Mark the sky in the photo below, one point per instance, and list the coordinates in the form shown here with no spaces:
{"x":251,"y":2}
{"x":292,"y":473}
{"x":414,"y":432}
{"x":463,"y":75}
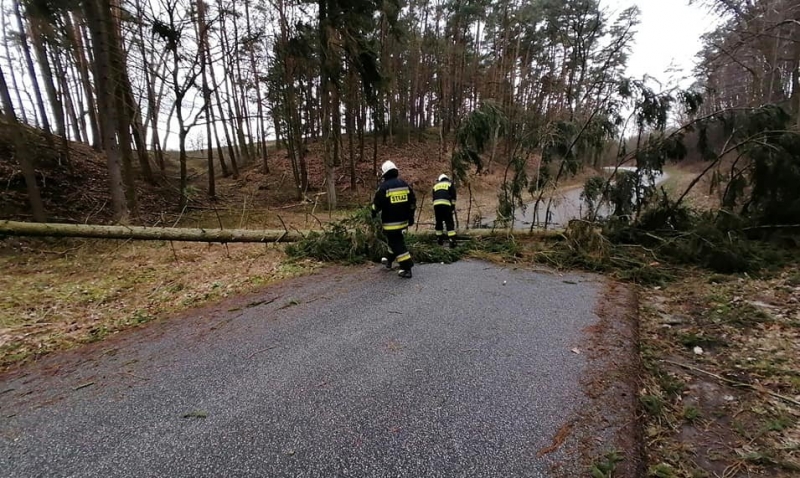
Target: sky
{"x":666,"y":42}
{"x":668,"y":36}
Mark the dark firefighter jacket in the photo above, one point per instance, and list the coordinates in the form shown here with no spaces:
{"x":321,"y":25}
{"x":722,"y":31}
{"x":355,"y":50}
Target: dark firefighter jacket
{"x":396,"y":202}
{"x":444,"y":193}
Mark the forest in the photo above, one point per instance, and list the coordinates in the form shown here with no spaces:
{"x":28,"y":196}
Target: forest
{"x":267,"y":121}
{"x":539,"y":88}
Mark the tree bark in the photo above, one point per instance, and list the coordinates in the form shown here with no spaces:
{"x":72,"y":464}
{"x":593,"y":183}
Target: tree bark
{"x":244,"y":115}
{"x":349,"y":120}
{"x":12,"y":74}
{"x":80,"y":61}
{"x":90,"y":231}
{"x":325,"y":87}
{"x":130,"y":128}
{"x":202,"y":30}
{"x":231,"y":150}
{"x":244,"y":148}
{"x":105,"y":83}
{"x":361,"y":125}
{"x":47,"y":75}
{"x":260,"y":106}
{"x":5,"y":96}
{"x":20,"y":153}
{"x":37,"y":91}
{"x":61,"y":73}
{"x":16,"y":228}
{"x":152,"y":104}
{"x":230,"y":139}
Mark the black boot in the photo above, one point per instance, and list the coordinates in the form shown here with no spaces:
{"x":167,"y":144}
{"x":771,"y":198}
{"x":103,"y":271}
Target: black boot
{"x":440,"y":240}
{"x":452,"y":243}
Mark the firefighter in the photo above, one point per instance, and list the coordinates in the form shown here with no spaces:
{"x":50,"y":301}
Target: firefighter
{"x":444,"y":205}
{"x":395,"y":201}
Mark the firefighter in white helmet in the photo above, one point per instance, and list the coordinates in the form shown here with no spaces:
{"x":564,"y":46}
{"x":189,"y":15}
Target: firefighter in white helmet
{"x":396,"y":203}
{"x":444,"y":206}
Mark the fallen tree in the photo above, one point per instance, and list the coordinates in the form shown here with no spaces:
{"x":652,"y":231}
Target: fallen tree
{"x":143,"y":233}
{"x":87,"y":231}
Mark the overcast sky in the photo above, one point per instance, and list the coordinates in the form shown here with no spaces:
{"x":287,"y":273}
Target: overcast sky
{"x":669,"y":35}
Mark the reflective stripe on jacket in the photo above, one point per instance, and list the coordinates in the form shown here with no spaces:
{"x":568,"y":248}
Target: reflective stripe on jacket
{"x":396,"y":202}
{"x":444,"y":193}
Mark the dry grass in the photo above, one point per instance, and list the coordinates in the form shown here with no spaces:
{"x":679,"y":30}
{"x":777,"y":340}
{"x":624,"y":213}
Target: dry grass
{"x":83,"y":291}
{"x":743,"y":331}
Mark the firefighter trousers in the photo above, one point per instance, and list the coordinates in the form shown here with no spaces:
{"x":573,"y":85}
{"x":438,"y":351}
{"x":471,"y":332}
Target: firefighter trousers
{"x":444,"y":216}
{"x":397,"y":249}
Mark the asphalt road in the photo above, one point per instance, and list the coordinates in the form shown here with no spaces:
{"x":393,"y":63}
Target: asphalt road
{"x":357,"y":373}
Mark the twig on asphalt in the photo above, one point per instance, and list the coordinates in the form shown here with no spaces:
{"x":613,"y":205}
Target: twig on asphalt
{"x":262,"y":350}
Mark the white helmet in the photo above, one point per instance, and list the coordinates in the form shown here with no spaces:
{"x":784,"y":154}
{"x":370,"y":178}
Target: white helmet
{"x":387,"y":166}
{"x":442,"y":177}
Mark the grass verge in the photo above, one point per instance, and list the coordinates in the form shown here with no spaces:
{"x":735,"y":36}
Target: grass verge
{"x":55,"y":297}
{"x":721,"y":391}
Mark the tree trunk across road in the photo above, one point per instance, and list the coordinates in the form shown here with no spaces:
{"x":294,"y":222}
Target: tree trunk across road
{"x":89,"y":231}
{"x":14,"y":228}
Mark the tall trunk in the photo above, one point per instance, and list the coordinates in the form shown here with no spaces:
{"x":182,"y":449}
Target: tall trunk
{"x":289,"y":108}
{"x":256,"y":82}
{"x":179,"y":94}
{"x":415,"y":106}
{"x":28,"y":172}
{"x":130,"y":116}
{"x":125,"y":146}
{"x":374,"y":149}
{"x":231,"y":149}
{"x":61,"y":74}
{"x":139,"y":134}
{"x":384,"y":89}
{"x":349,"y":119}
{"x":78,"y":102}
{"x":361,"y":122}
{"x":311,"y":121}
{"x":336,"y":125}
{"x":122,"y":125}
{"x":37,"y":91}
{"x":243,"y":112}
{"x":5,"y":96}
{"x":78,"y":50}
{"x":152,"y":107}
{"x":56,"y":105}
{"x":202,"y":30}
{"x":105,"y":90}
{"x":244,"y":149}
{"x":244,"y":153}
{"x":212,"y":118}
{"x":11,"y":69}
{"x":325,"y":87}
{"x":301,"y":143}
{"x":220,"y":152}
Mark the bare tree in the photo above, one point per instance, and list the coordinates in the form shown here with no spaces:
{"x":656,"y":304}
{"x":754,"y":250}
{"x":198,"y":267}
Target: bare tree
{"x":23,"y":38}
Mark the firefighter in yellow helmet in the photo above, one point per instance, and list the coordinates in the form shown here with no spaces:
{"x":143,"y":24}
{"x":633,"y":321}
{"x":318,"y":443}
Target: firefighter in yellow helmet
{"x":396,"y":203}
{"x":444,"y":206}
